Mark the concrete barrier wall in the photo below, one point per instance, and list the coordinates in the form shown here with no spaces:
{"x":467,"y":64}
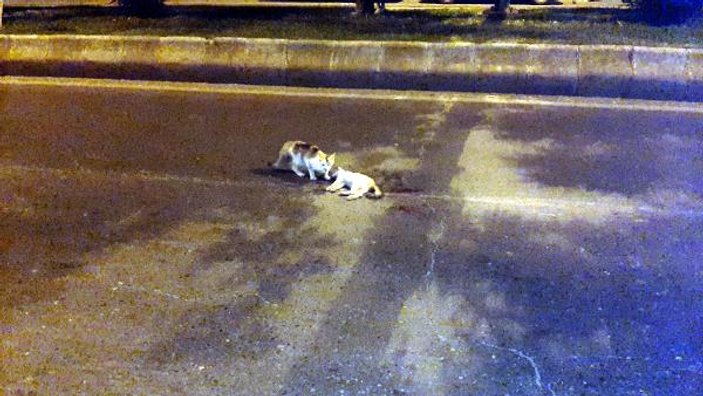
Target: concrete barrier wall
{"x":605,"y":67}
{"x":694,"y":75}
{"x":612,"y":71}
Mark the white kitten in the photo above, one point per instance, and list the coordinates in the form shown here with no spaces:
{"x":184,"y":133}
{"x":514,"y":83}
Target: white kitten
{"x":353,"y":184}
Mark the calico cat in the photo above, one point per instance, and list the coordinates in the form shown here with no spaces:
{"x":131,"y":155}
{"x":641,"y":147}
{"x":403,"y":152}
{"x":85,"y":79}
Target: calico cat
{"x":352,"y":184}
{"x":304,"y":158}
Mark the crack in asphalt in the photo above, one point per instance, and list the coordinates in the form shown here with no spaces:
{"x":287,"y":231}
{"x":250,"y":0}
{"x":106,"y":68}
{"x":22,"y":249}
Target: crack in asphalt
{"x":523,"y":355}
{"x":141,"y":289}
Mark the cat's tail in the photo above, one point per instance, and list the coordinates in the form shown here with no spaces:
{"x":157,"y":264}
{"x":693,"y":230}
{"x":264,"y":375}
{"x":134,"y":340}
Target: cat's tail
{"x":282,"y":163}
{"x":377,"y":193}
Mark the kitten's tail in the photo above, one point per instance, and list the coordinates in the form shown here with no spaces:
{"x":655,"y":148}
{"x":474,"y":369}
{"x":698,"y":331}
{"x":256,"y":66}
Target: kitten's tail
{"x":377,"y":193}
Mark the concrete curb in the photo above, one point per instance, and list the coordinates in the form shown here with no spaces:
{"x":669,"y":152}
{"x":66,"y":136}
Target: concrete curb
{"x":577,"y":70}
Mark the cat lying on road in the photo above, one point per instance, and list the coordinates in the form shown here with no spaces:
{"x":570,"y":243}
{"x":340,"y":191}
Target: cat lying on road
{"x":352,"y":184}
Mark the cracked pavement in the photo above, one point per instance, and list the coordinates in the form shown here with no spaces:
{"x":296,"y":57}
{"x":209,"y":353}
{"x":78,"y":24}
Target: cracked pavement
{"x":526,"y":246}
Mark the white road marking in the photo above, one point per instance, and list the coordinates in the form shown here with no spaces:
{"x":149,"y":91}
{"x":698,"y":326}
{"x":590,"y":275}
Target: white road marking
{"x":364,"y":94}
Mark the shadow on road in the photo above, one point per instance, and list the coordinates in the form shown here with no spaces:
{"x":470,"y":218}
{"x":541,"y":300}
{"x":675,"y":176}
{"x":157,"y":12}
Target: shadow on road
{"x":631,"y":153}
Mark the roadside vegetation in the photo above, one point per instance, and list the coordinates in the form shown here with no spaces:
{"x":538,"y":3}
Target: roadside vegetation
{"x":140,"y":7}
{"x":661,"y":12}
{"x":654,"y":11}
{"x":544,"y":25}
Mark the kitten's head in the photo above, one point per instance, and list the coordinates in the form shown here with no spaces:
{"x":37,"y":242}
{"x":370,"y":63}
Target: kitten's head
{"x":327,"y":164}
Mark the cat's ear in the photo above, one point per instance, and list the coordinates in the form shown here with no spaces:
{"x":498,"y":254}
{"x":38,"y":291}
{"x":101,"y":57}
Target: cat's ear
{"x":331,"y":157}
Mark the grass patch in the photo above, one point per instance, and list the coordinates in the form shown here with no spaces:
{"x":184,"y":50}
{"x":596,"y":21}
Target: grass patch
{"x":549,"y":25}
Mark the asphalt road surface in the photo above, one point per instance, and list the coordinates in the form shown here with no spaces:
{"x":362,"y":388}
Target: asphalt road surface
{"x":525,"y":246}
